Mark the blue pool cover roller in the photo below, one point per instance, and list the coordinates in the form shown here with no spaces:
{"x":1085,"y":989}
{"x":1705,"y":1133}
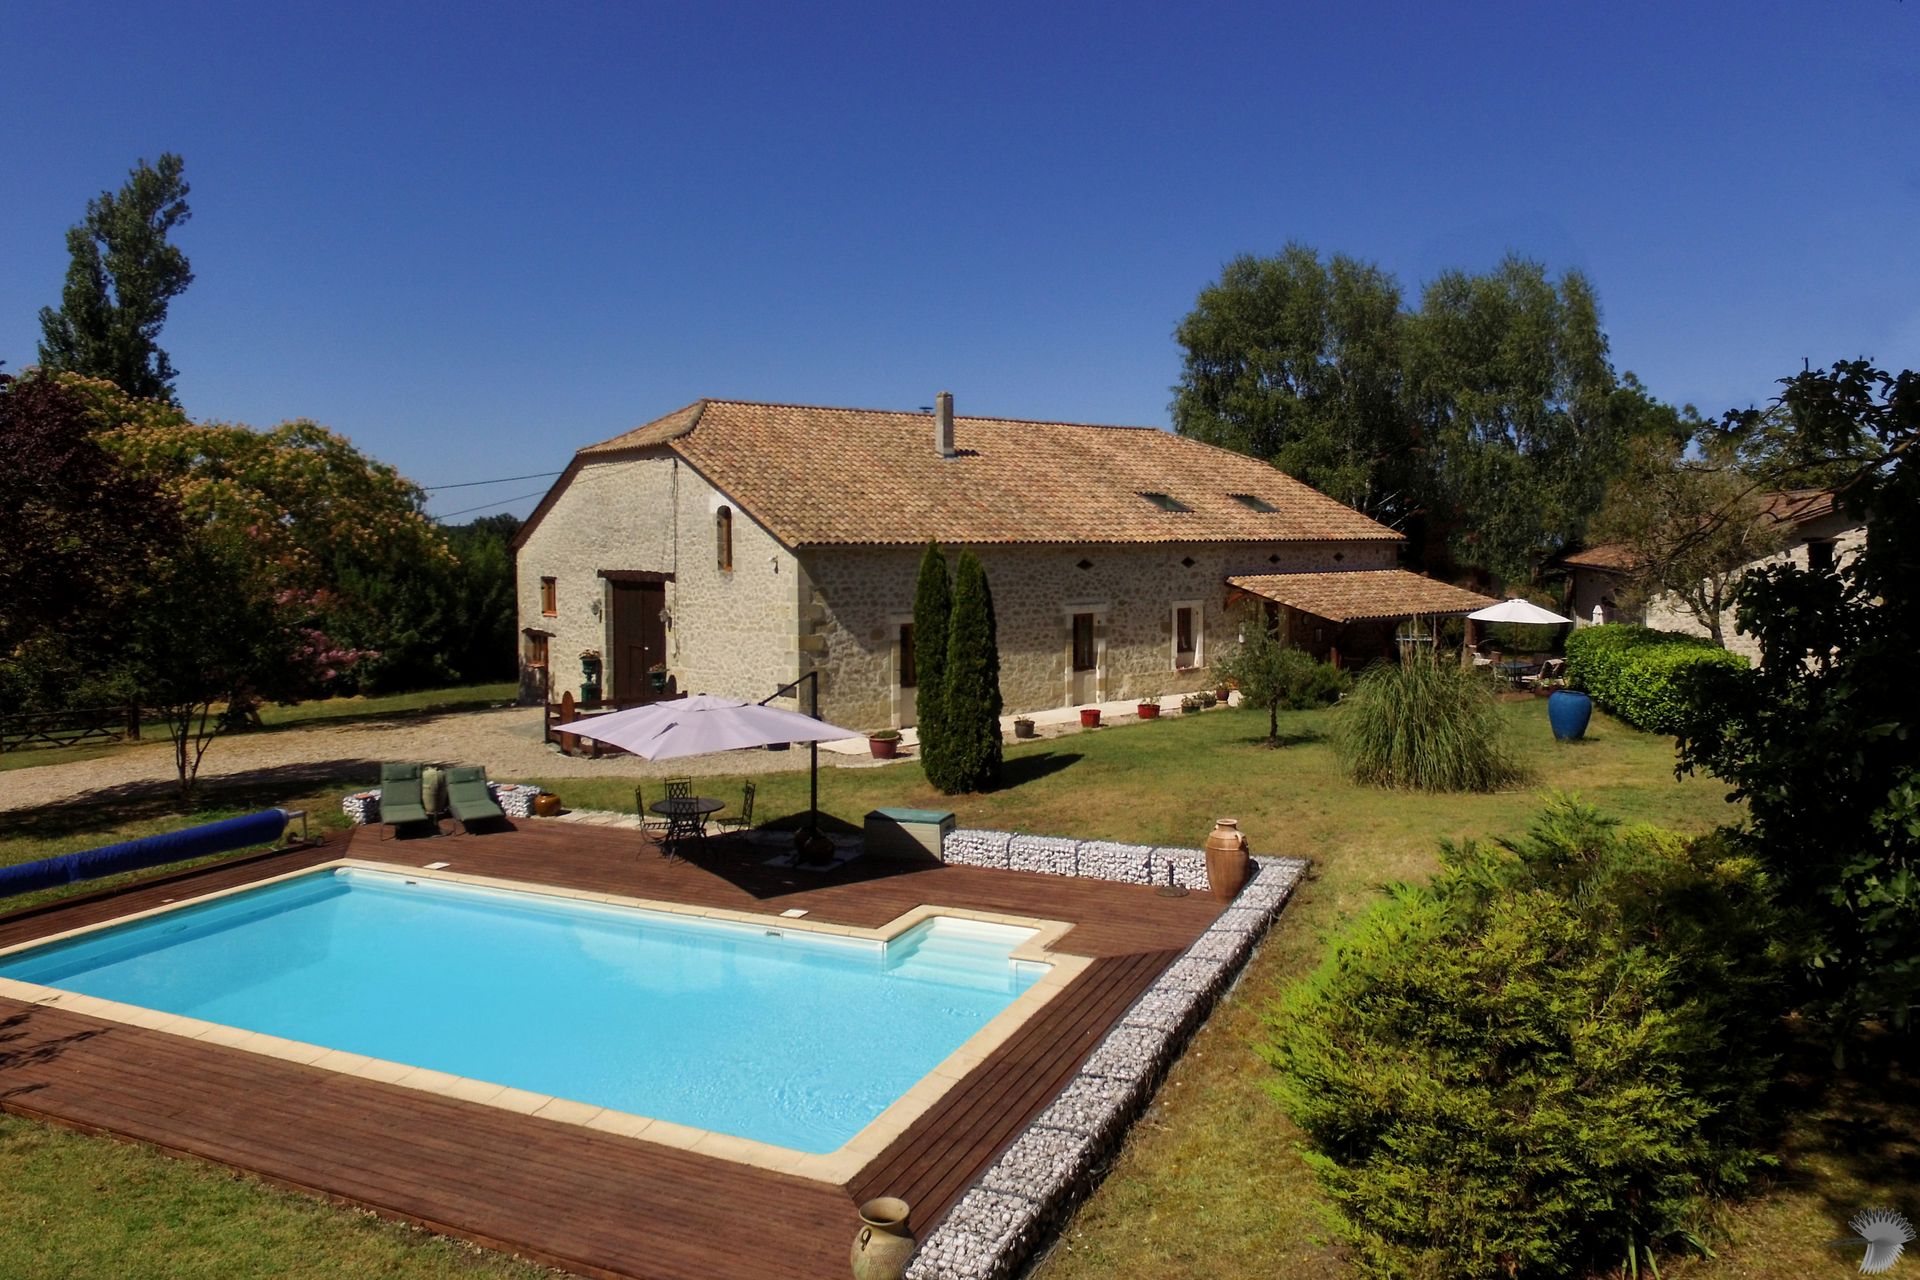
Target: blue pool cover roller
{"x":148,"y":851}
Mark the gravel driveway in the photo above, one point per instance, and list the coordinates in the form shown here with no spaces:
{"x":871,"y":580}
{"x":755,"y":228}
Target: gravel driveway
{"x":506,"y":740}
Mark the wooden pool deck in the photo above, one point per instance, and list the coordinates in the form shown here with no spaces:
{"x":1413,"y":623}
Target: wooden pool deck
{"x":570,"y":1197}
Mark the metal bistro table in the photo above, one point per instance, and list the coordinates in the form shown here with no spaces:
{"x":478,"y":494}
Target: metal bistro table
{"x":676,"y":809}
{"x":1515,"y":672}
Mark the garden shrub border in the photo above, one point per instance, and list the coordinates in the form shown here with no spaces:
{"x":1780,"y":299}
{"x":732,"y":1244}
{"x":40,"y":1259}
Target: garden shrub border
{"x":1639,"y":674}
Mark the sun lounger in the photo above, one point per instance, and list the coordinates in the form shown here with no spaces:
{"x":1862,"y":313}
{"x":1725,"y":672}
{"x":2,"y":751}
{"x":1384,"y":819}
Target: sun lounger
{"x":401,"y":798}
{"x":468,"y":797}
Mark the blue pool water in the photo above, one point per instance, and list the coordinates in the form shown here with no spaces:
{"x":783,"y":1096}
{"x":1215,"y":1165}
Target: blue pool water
{"x":786,"y":1037}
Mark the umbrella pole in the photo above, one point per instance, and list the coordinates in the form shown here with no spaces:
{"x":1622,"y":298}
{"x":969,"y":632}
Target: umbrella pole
{"x":813,"y":757}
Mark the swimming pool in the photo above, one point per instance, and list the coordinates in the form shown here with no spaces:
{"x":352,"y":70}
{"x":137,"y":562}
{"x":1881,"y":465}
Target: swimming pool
{"x":754,"y":1028}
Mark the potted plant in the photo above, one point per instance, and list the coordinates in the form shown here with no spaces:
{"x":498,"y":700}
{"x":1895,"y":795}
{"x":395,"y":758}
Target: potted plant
{"x":589,"y":675}
{"x":1149,"y":708}
{"x":1208,"y":698}
{"x":1222,"y":690}
{"x":657,"y":677}
{"x":1189,"y":705}
{"x":884,"y":743}
{"x":1568,"y":711}
{"x":1089,"y":717}
{"x":1023,"y":728}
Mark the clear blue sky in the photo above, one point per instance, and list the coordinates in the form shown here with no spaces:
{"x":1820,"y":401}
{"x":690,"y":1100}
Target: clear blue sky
{"x":474,"y":237}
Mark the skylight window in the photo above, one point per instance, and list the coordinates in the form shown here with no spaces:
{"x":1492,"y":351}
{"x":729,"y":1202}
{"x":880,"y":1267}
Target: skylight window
{"x":1166,"y":503}
{"x":1252,"y":503}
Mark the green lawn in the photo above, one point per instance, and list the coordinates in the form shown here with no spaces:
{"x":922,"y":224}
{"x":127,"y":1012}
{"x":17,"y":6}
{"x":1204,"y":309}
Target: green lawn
{"x":1209,"y":1184}
{"x":345,"y":710}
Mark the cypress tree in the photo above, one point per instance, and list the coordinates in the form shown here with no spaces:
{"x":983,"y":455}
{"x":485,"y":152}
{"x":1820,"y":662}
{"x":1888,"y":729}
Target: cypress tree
{"x":970,"y":734}
{"x":932,"y":606}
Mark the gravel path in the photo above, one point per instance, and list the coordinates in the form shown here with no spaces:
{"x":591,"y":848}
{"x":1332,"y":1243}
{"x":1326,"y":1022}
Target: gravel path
{"x":506,"y":740}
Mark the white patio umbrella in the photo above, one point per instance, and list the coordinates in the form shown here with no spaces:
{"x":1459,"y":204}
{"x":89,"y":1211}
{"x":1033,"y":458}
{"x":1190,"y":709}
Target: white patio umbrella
{"x":1518,"y":610}
{"x":702,"y":724}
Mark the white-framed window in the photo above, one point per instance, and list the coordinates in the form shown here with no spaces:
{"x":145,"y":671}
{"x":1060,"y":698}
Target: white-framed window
{"x":1189,"y":640}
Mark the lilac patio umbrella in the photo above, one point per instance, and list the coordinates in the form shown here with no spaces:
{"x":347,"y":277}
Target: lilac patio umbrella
{"x":702,"y":724}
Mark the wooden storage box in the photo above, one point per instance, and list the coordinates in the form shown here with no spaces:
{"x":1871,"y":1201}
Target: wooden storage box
{"x":907,"y":833}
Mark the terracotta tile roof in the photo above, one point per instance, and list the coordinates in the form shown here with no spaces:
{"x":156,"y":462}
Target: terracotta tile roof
{"x":818,"y":476}
{"x":1783,"y":506}
{"x":1614,"y":556}
{"x":1362,"y":593}
{"x":1799,"y":505}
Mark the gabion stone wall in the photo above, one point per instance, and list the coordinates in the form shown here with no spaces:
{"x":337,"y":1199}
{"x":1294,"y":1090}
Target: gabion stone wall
{"x":1039,"y":1179}
{"x":1094,"y":859}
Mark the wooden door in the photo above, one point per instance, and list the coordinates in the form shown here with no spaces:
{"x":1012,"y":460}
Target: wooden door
{"x":638,"y":639}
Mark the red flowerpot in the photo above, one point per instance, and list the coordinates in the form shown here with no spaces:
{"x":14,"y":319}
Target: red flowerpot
{"x":1149,"y":711}
{"x":1089,"y":717}
{"x":884,"y":748}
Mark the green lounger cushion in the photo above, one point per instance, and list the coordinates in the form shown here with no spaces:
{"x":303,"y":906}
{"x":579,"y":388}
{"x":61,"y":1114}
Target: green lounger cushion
{"x":468,"y":797}
{"x":400,"y":795}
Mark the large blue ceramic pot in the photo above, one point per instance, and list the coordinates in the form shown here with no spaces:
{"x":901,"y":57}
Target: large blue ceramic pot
{"x":1568,"y":710}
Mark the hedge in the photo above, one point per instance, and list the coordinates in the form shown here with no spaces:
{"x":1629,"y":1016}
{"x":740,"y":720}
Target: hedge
{"x":1640,"y":674}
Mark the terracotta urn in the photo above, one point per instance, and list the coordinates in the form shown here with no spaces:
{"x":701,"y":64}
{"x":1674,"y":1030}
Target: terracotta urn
{"x":885,"y":1243}
{"x":546,"y":805}
{"x":1227,"y":860}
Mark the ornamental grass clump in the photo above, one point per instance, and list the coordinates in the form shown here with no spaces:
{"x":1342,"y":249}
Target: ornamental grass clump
{"x":1548,"y":1063}
{"x":1425,"y":725}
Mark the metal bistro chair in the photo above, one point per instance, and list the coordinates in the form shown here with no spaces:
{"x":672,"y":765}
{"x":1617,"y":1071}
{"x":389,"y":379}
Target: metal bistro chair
{"x":682,"y":825}
{"x":745,"y":821}
{"x":651,"y":823}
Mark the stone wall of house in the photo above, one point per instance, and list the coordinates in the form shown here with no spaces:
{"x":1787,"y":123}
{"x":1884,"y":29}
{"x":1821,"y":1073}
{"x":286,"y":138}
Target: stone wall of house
{"x":1849,"y":538}
{"x":861,"y":595}
{"x":730,"y":632}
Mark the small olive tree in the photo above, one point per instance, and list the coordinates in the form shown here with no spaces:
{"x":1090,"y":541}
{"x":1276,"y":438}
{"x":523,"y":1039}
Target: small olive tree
{"x":1276,"y":677}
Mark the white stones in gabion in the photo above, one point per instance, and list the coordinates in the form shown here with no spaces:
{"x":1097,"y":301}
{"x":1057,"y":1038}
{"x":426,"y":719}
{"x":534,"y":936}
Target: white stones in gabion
{"x":1239,"y":919}
{"x":1165,"y":1009}
{"x":1122,"y":863}
{"x":1049,"y":855}
{"x":1193,"y":974}
{"x":1184,"y":867}
{"x":514,"y":798}
{"x":1094,"y":1106}
{"x":979,"y":1240}
{"x":976,"y":848}
{"x":1227,"y":947}
{"x":1130,"y":1053}
{"x":362,"y":807}
{"x":1042,"y":1166}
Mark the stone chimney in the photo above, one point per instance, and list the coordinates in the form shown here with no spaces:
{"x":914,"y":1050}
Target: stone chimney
{"x":943,"y":424}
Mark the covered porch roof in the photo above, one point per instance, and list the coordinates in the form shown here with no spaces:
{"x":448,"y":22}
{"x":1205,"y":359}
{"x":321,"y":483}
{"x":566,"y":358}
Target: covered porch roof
{"x":1360,"y":594}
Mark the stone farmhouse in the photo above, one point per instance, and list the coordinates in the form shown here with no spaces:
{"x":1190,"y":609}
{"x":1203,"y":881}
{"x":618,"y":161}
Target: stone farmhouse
{"x":1818,"y":535}
{"x":732,"y":547}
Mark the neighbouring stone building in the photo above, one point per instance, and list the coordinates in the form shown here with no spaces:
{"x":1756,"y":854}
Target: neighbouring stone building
{"x":732,"y":547}
{"x":1817,"y":534}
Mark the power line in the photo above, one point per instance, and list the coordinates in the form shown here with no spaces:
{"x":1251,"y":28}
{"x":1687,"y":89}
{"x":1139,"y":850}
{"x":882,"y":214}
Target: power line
{"x":485,"y":505}
{"x":468,"y":484}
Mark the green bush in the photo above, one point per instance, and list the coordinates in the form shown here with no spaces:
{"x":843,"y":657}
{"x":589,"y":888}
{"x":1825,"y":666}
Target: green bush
{"x":1427,"y":725}
{"x":1639,"y":674}
{"x":1546,"y":1063}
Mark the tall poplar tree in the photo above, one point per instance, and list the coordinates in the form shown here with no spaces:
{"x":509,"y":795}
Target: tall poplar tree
{"x":932,"y":608}
{"x":970,"y":734}
{"x":122,"y":275}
